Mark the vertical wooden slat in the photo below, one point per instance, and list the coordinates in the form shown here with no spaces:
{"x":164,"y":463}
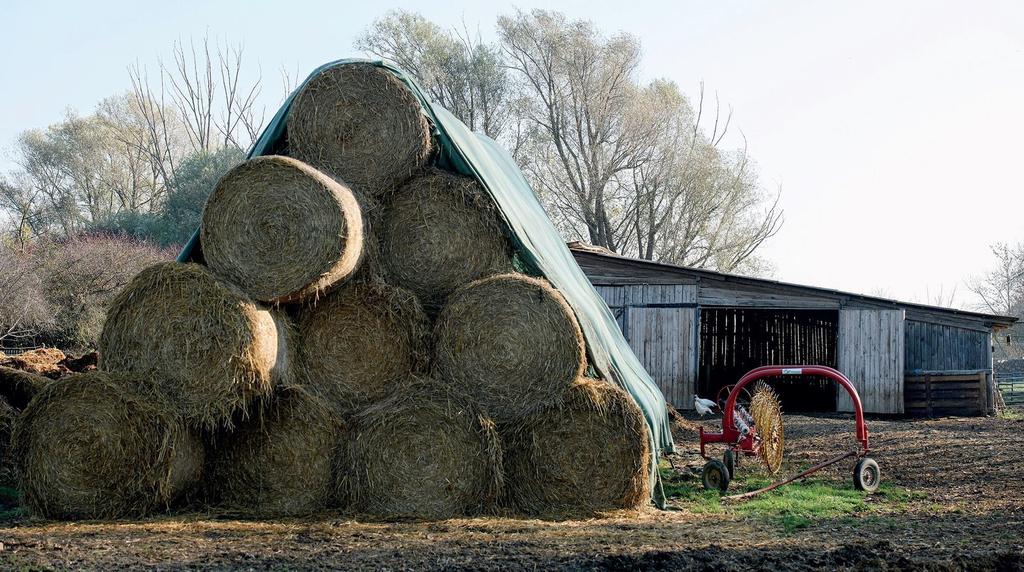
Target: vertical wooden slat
{"x":871,"y":352}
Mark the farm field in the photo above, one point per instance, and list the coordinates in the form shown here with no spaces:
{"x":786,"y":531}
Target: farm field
{"x":952,"y":498}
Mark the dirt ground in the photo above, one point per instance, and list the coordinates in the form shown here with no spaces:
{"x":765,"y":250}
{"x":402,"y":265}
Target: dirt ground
{"x":953,"y":499}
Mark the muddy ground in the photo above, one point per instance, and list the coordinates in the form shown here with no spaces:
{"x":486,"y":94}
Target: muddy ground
{"x":953,"y":499}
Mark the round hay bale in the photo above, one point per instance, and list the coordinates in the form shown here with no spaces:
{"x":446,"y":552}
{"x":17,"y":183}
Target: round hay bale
{"x":361,"y":124}
{"x":439,"y":232}
{"x":511,"y":342}
{"x":281,"y":230}
{"x":360,"y":339}
{"x":425,"y":452}
{"x":280,"y":463}
{"x":102,"y":445}
{"x":208,"y":347}
{"x":18,"y":387}
{"x":587,"y":452}
{"x":8,"y":472}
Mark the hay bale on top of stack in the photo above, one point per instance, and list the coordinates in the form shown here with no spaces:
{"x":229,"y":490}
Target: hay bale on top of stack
{"x":281,"y":231}
{"x":362,"y":125}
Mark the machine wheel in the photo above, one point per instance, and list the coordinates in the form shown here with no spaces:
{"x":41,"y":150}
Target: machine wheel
{"x":866,"y":475}
{"x":715,"y":476}
{"x":729,"y":460}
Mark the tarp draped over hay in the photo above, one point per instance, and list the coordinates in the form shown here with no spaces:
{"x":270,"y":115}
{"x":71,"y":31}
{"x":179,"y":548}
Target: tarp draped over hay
{"x":539,"y":248}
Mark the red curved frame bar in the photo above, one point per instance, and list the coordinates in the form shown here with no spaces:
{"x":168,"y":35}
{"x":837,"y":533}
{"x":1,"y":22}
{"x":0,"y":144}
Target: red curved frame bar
{"x":731,"y":435}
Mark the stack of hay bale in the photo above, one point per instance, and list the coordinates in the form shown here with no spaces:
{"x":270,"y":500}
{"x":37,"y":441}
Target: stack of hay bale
{"x":358,"y":338}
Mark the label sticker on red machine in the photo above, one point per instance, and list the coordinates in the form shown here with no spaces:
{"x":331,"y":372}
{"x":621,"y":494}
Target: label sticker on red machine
{"x":792,"y":371}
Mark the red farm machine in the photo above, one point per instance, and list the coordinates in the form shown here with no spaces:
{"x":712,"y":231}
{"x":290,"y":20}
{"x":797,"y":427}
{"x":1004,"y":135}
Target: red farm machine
{"x":752,"y":426}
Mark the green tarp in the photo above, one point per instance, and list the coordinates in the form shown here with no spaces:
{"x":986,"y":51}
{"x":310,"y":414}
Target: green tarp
{"x":539,"y":249}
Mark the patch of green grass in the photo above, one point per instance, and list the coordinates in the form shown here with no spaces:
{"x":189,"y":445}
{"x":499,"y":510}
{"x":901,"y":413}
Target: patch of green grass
{"x":688,"y":491}
{"x":1011,"y":413}
{"x":791,"y":523}
{"x":791,"y":507}
{"x":799,"y":504}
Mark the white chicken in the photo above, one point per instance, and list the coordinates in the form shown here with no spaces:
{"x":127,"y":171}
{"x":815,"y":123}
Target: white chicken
{"x":703,"y":406}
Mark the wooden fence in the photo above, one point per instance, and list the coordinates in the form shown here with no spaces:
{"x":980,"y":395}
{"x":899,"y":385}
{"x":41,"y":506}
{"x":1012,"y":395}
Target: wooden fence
{"x":16,"y":351}
{"x":1011,"y":386}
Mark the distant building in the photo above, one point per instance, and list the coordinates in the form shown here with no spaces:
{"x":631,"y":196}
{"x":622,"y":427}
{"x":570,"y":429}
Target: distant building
{"x":697,"y":331}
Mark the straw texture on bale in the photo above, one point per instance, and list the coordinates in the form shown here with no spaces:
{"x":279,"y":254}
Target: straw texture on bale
{"x":8,"y":416}
{"x":586,"y":453}
{"x":19,"y":387}
{"x":424,"y":452}
{"x":101,"y":445}
{"x":439,"y":232}
{"x":279,"y":463}
{"x":209,"y":348}
{"x":362,"y":125}
{"x":281,"y":230}
{"x":511,"y":342}
{"x":360,"y":339}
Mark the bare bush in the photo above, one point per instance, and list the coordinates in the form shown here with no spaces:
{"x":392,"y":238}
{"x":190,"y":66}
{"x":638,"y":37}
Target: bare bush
{"x":81,"y":275}
{"x":23,"y":308}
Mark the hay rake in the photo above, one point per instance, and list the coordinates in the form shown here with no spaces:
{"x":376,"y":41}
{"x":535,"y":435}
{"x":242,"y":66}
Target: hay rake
{"x":752,"y":426}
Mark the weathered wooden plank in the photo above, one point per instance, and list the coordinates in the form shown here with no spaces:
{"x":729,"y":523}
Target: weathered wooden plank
{"x":943,"y":347}
{"x":660,"y":338}
{"x":871,"y":347}
{"x":734,"y":296}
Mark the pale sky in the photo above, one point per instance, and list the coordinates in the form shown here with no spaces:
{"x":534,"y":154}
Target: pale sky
{"x":893,"y":127}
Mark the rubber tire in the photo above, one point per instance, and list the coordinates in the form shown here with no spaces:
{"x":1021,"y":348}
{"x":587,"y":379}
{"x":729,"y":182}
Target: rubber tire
{"x":715,"y":476}
{"x":729,"y":460}
{"x":867,"y":475}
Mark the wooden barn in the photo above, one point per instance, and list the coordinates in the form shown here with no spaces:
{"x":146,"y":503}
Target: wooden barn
{"x":697,"y":331}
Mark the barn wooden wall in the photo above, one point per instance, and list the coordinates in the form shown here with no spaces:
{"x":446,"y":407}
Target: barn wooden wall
{"x":937,"y":347}
{"x":871,"y":354}
{"x":659,"y":321}
{"x":658,"y":309}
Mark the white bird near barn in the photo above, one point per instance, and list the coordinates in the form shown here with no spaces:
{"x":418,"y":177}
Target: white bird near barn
{"x":703,"y":406}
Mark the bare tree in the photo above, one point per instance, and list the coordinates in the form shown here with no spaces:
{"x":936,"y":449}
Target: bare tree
{"x":23,"y":309}
{"x":582,"y":86}
{"x":1001,"y":291}
{"x":629,"y":167}
{"x":201,"y":96}
{"x":20,"y":200}
{"x":456,"y":68}
{"x":81,"y":275}
{"x":68,"y":165}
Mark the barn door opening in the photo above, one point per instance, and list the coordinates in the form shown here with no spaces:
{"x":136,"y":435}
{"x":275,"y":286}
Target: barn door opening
{"x":734,"y":341}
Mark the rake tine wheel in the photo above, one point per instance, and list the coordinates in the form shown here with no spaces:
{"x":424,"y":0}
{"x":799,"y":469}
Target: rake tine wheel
{"x":767,"y":413}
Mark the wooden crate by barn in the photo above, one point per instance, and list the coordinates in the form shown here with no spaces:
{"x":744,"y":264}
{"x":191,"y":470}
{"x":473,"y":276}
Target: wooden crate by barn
{"x":947,"y":393}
